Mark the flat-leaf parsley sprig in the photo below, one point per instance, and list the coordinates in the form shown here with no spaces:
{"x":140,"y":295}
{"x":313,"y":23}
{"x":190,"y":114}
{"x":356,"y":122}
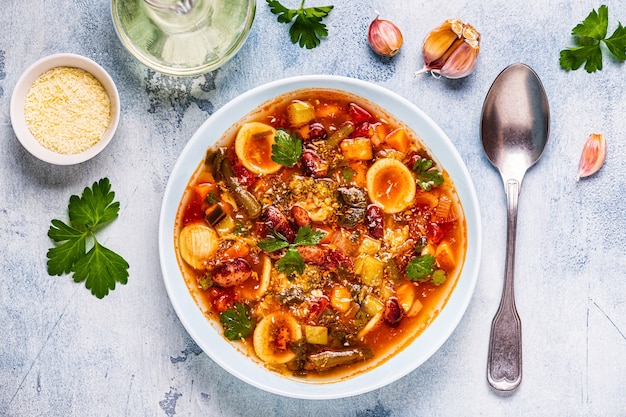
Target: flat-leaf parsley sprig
{"x":99,"y":266}
{"x":589,"y":37}
{"x":288,"y":148}
{"x":308,"y":28}
{"x":292,"y":260}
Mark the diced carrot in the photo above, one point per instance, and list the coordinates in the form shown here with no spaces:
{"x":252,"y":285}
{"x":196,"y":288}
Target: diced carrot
{"x":237,"y":250}
{"x":203,"y":189}
{"x":326,"y":110}
{"x":357,"y":149}
{"x":398,"y":139}
{"x":303,"y":131}
{"x":340,"y":298}
{"x":426,"y":198}
{"x":381,"y":130}
{"x":360,"y":176}
{"x":260,"y":186}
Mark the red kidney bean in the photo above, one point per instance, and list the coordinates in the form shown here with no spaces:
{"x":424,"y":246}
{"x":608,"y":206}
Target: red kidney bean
{"x":278,"y":222}
{"x":393,"y":312}
{"x":313,"y":165}
{"x":317,"y":131}
{"x":358,"y":114}
{"x":312,"y":254}
{"x":300,"y":216}
{"x":374,"y":219}
{"x":334,"y":259}
{"x":231,"y":273}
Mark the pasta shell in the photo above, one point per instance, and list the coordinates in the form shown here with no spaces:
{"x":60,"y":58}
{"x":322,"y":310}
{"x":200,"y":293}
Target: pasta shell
{"x":273,"y":335}
{"x":197,"y":243}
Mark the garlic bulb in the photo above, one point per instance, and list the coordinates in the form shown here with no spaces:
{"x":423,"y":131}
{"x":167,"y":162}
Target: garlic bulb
{"x":593,"y":155}
{"x":384,"y":37}
{"x":451,"y":49}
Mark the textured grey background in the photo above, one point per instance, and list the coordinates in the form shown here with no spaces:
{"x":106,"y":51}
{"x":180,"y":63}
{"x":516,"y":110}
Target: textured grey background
{"x":63,"y":352}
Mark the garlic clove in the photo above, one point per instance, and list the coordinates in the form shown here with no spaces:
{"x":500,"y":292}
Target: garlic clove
{"x":451,"y":49}
{"x":461,"y":62}
{"x":384,"y":37}
{"x":439,"y":40}
{"x":593,"y":155}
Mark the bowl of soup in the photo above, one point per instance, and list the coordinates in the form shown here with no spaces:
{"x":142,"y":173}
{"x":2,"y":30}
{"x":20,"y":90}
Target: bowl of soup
{"x":319,"y":237}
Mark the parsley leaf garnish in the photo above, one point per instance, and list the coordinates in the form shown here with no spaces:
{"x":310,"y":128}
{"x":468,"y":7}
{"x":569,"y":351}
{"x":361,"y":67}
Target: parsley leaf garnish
{"x":308,"y":28}
{"x":237,"y":322}
{"x":288,"y":148}
{"x":427,"y":176}
{"x":423,"y":268}
{"x":308,"y":237}
{"x":275,"y":243}
{"x":438,"y":277}
{"x":99,"y":267}
{"x":420,"y":268}
{"x":292,"y":261}
{"x":589,"y":37}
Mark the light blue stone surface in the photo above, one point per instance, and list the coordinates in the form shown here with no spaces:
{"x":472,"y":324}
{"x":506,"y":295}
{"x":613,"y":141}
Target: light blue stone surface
{"x":65,"y":353}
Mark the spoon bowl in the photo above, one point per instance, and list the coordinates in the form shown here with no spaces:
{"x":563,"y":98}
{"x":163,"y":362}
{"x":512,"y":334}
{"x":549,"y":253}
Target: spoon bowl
{"x":514,"y":130}
{"x":515,"y":121}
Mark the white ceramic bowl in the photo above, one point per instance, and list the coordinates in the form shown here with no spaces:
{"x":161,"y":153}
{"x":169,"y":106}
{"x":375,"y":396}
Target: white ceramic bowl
{"x":208,"y":336}
{"x":22,"y":87}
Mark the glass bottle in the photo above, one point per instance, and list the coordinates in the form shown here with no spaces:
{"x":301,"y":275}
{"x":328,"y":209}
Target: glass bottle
{"x":183,"y":37}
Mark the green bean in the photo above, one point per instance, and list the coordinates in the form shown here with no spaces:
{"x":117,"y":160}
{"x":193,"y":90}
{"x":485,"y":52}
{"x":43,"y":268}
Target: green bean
{"x":340,"y":134}
{"x":244,"y":197}
{"x":213,"y":160}
{"x":327,"y":359}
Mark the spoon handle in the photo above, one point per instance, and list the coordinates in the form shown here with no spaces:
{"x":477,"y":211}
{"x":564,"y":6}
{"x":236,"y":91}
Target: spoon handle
{"x":504,"y":364}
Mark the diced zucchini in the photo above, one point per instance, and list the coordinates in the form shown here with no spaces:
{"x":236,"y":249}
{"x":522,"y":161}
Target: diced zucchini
{"x":300,"y":113}
{"x":372,"y":305}
{"x":371,"y":271}
{"x":316,"y":335}
{"x":369,"y":246}
{"x":225,"y":226}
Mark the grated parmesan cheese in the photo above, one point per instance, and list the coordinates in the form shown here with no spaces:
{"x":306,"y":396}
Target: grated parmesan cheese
{"x":67,"y":110}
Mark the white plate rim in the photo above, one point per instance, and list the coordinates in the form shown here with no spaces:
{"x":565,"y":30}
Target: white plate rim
{"x":231,"y":359}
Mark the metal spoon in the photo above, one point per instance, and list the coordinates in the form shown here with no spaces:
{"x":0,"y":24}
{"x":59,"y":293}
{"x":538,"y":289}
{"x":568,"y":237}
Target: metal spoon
{"x":514,"y":130}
